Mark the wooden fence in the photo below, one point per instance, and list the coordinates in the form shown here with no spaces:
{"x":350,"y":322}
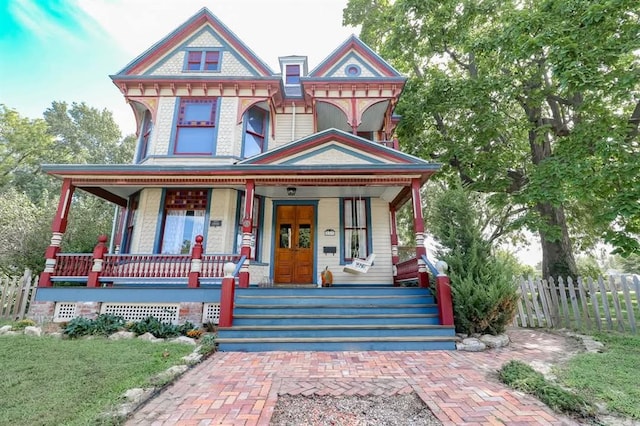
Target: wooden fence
{"x":16,"y":293}
{"x":601,"y":304}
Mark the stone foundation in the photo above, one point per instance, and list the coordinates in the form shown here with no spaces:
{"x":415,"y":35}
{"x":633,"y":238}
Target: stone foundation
{"x":88,"y":309}
{"x":41,"y":312}
{"x":190,"y":311}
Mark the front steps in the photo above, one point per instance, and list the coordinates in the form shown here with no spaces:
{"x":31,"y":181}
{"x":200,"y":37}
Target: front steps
{"x":339,"y":318}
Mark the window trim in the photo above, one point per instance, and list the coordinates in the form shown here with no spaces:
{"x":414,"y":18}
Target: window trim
{"x":203,"y":59}
{"x":245,"y":130}
{"x":145,"y":136}
{"x":173,"y":145}
{"x":133,"y":205}
{"x":367,"y":206}
{"x":157,"y":246}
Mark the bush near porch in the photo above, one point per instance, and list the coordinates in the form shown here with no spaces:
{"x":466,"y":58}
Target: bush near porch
{"x":483,"y":286}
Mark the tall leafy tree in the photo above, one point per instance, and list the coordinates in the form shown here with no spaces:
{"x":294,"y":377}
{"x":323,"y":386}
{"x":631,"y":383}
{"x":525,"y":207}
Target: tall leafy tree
{"x":534,"y":102}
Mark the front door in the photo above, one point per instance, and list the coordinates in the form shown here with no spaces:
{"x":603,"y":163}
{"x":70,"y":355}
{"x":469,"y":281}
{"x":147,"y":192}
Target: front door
{"x":294,"y":244}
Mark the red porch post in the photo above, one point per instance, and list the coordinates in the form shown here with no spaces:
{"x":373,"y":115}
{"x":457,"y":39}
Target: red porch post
{"x":247,"y":228}
{"x":196,"y":263}
{"x":58,"y":227}
{"x":394,"y":244}
{"x":227,"y":293}
{"x":98,"y":260}
{"x":443,"y":289}
{"x":418,"y":226}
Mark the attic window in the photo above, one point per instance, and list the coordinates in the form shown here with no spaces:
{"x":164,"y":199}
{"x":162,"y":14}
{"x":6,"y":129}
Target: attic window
{"x":352,"y":70}
{"x":292,"y":74}
{"x":203,"y":60}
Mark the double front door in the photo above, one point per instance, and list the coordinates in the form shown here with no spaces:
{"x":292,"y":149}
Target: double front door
{"x":294,"y":244}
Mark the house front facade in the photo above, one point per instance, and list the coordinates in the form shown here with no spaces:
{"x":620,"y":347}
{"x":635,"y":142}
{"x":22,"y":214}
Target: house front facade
{"x":285,"y":173}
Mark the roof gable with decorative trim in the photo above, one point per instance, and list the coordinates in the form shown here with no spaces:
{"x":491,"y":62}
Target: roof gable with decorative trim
{"x":201,"y":31}
{"x":354,"y":52}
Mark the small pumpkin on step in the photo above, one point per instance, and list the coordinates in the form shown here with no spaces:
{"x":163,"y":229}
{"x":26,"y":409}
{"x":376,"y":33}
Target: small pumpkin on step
{"x":327,"y":277}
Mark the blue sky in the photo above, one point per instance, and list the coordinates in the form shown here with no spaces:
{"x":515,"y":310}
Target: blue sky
{"x":65,"y":50}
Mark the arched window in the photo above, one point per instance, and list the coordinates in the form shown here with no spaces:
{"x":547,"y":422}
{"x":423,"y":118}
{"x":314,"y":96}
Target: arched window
{"x":255,"y":132}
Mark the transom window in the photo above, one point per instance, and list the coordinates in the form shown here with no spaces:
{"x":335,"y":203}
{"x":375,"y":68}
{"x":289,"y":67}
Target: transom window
{"x":183,"y":220}
{"x":292,"y":74}
{"x":195,"y":132}
{"x":203,"y":60}
{"x":355,"y":228}
{"x":255,"y":132}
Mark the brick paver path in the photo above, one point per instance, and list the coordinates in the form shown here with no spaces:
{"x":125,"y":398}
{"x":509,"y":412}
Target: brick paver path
{"x":236,"y":388}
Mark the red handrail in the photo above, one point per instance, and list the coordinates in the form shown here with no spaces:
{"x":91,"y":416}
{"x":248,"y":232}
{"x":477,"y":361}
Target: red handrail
{"x":407,"y":269}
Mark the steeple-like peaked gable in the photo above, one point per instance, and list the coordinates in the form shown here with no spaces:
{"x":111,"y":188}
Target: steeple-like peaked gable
{"x":333,"y":147}
{"x":354,"y":52}
{"x":201,"y":27}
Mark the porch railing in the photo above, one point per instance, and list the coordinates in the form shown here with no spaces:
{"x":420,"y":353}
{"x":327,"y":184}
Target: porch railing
{"x":100,"y":266}
{"x":73,"y":265}
{"x":407,"y":270}
{"x":146,"y":265}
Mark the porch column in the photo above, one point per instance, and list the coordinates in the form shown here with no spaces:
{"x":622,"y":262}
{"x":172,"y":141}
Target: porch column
{"x":247,"y":223}
{"x":418,"y":227}
{"x":394,"y":244}
{"x":58,"y":227}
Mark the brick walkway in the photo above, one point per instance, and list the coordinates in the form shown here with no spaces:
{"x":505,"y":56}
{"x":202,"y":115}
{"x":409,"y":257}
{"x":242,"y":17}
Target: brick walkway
{"x":237,"y":388}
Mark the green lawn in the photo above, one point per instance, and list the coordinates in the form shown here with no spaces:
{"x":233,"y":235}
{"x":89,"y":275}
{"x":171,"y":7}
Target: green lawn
{"x":49,"y":381}
{"x":612,"y":376}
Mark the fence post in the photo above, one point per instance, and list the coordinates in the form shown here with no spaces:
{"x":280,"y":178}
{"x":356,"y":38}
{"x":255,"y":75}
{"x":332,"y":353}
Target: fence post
{"x":227,"y":295}
{"x":98,"y":260}
{"x":196,"y":263}
{"x":443,"y":290}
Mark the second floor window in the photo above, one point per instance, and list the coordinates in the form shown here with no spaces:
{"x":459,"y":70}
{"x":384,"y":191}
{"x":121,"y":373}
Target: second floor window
{"x":203,"y":60}
{"x":145,"y":136}
{"x":195,"y":128}
{"x":254,"y":133}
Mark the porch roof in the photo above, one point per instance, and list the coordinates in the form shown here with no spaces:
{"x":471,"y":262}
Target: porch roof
{"x":117,"y":182}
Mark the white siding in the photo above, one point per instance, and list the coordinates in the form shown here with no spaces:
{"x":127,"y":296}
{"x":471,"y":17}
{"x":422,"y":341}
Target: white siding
{"x":161,"y":134}
{"x":303,"y":127}
{"x":223,"y":207}
{"x":144,"y":230}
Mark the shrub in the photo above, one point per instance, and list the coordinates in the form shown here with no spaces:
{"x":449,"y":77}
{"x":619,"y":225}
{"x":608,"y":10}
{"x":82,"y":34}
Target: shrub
{"x":22,"y":324}
{"x":107,"y":324}
{"x":208,"y":344}
{"x":78,"y":327}
{"x":156,"y":327}
{"x":483,"y":287}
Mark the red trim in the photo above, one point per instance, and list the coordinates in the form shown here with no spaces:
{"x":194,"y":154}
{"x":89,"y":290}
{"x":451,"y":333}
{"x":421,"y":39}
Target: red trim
{"x":417,"y":206}
{"x":64,"y":203}
{"x":106,"y":195}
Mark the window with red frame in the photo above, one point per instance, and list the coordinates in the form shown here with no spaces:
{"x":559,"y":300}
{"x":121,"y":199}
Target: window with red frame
{"x":195,"y":132}
{"x":293,"y":74}
{"x":183,"y":219}
{"x":203,"y":60}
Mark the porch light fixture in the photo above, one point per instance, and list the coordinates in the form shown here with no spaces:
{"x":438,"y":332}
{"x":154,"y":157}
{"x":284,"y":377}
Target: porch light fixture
{"x":291,"y":191}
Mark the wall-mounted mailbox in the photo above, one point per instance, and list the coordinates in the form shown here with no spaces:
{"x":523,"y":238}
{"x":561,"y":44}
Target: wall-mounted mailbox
{"x":329,"y":249}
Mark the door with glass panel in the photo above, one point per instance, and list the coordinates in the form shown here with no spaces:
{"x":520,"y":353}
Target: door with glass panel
{"x":294,"y":244}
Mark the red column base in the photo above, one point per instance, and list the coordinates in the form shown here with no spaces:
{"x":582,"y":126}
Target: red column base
{"x":244,"y":279}
{"x":194,"y":281}
{"x":445,"y":302}
{"x":423,"y":279}
{"x":45,"y":280}
{"x":226,"y":302}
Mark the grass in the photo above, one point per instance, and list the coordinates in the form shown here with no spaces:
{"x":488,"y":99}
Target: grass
{"x":612,"y":376}
{"x":522,"y":377}
{"x":49,"y":381}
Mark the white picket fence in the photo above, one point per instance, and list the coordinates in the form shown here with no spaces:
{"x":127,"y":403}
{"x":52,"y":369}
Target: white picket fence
{"x":610,"y":303}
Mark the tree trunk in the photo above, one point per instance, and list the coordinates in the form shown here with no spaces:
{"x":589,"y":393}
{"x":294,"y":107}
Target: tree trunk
{"x":557,"y":253}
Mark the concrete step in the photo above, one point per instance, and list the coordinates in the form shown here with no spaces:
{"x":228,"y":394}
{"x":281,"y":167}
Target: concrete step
{"x":335,"y":299}
{"x":324,"y":309}
{"x":258,"y":319}
{"x":335,"y":330}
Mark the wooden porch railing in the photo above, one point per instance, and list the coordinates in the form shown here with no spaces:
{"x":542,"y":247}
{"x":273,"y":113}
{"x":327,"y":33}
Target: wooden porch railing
{"x":146,"y":265}
{"x":72,"y":265}
{"x":407,"y":270}
{"x":99,"y":265}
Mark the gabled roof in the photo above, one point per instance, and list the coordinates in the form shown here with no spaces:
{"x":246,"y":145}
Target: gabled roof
{"x":354,"y":46}
{"x":343,"y":146}
{"x":176,"y":37}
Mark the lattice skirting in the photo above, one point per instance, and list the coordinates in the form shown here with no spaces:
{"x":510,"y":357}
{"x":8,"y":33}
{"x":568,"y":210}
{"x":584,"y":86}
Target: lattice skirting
{"x":211,"y":313}
{"x":165,"y":312}
{"x":64,"y":312}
